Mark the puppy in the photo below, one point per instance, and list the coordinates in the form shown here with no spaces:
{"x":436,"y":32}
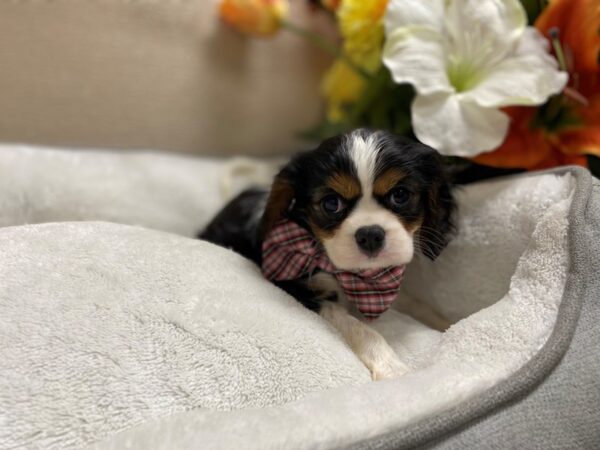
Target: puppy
{"x":338,"y":227}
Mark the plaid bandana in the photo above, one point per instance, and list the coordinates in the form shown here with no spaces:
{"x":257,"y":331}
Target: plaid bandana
{"x":290,"y":252}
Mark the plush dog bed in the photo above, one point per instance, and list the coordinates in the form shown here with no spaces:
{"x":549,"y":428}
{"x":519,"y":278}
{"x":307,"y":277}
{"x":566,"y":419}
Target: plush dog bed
{"x":119,"y":330}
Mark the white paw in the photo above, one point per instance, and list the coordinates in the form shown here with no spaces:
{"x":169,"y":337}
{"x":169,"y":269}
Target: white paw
{"x":370,"y":347}
{"x":382,"y":361}
{"x":388,"y":368}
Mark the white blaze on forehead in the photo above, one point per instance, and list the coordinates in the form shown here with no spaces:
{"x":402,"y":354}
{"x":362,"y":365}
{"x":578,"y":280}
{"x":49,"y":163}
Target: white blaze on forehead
{"x":363,"y":152}
{"x":342,"y":248}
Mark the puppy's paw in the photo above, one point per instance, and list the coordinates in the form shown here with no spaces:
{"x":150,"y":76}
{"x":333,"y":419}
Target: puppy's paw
{"x":385,"y":369}
{"x":370,"y":347}
{"x":382,"y":360}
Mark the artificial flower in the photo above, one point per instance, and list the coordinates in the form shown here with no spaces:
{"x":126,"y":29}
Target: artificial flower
{"x":528,"y":147}
{"x":578,"y":22}
{"x":258,"y":17}
{"x":361,"y":26}
{"x":341,"y":87}
{"x":466,"y":59}
{"x":535,"y":143}
{"x":331,"y":5}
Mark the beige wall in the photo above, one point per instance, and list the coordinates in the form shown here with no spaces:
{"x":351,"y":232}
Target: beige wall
{"x":159,"y":74}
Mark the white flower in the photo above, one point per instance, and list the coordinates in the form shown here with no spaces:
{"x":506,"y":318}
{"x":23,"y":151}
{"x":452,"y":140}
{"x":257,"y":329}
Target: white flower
{"x":466,"y":59}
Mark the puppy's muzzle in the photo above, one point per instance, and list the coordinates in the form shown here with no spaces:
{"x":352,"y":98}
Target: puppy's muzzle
{"x":370,"y":239}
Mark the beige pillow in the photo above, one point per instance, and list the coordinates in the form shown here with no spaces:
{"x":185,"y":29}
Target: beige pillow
{"x":152,"y":74}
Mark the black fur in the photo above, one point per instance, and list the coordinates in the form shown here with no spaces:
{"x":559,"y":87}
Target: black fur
{"x":307,"y":172}
{"x":428,"y":176}
{"x":236,"y":225}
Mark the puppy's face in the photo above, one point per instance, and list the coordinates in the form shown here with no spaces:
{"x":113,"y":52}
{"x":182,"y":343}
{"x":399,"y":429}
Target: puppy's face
{"x":370,"y":198}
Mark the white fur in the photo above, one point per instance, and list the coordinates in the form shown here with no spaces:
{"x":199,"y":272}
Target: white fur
{"x":370,"y":347}
{"x":364,"y":155}
{"x":324,"y":282}
{"x":342,"y":248}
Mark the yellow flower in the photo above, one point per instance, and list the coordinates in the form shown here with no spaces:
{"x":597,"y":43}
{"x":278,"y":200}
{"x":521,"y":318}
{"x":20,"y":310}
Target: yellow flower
{"x":258,"y":17}
{"x":361,"y":25}
{"x":341,"y":86}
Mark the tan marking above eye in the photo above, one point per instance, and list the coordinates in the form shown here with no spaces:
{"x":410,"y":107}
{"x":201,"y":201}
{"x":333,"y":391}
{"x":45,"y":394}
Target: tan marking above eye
{"x":345,"y":185}
{"x":385,"y":182}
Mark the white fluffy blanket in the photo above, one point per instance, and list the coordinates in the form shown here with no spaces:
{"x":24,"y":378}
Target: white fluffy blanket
{"x":119,"y":335}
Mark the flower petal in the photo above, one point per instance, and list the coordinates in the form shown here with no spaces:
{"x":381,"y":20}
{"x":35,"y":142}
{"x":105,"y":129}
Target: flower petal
{"x":457,"y":127}
{"x":556,"y":158}
{"x":361,"y":26}
{"x":524,"y":147}
{"x":341,"y":86}
{"x":578,"y":22}
{"x":586,"y":138}
{"x":415,"y":55}
{"x":402,"y":13}
{"x":258,"y":17}
{"x":531,"y":148}
{"x":502,"y":20}
{"x":528,"y":77}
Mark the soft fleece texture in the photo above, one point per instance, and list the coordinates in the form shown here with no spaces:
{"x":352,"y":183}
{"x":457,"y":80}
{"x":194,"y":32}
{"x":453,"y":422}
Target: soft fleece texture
{"x":110,"y":325}
{"x":552,"y":401}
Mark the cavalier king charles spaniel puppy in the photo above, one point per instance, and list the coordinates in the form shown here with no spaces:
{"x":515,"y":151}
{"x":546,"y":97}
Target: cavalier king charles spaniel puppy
{"x":338,"y":227}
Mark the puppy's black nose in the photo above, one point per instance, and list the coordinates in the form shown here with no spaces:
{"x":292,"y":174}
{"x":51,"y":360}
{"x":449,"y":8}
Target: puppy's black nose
{"x":370,"y":239}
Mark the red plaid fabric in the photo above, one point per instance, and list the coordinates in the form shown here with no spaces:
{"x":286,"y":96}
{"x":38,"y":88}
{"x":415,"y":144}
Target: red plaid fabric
{"x":290,"y":252}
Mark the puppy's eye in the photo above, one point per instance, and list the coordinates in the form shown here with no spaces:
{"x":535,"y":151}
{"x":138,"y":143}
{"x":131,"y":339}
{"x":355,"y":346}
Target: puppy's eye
{"x":398,"y":197}
{"x":332,"y":204}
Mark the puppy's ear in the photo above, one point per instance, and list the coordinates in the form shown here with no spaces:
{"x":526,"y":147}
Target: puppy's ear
{"x":279,"y":200}
{"x":438,"y":225}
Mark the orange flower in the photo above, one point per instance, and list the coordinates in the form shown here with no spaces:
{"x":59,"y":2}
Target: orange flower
{"x":577,"y":22}
{"x":527,"y":146}
{"x":532,"y":143}
{"x":258,"y":17}
{"x":331,"y":5}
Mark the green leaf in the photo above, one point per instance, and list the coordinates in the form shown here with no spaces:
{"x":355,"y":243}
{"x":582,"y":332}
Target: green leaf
{"x":383,"y":105}
{"x":533,"y":8}
{"x":375,"y":88}
{"x":324,"y":130}
{"x":402,"y":98}
{"x":594,"y":165}
{"x":556,"y":115}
